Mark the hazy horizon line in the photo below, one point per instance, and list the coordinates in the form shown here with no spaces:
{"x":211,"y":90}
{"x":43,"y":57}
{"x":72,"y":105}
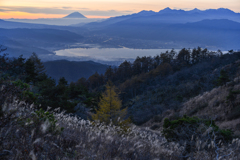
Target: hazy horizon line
{"x":105,"y":17}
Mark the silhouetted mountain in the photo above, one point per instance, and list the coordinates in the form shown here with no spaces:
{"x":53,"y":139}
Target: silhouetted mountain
{"x":75,"y":15}
{"x":73,"y":70}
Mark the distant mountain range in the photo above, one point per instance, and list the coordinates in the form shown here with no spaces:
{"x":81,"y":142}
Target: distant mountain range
{"x":169,"y":16}
{"x":221,"y":33}
{"x":75,"y":15}
{"x":72,"y":70}
{"x":213,"y":28}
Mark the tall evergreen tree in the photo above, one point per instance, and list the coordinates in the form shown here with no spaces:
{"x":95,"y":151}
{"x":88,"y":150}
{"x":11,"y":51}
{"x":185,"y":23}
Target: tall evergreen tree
{"x":137,"y":66}
{"x":30,"y":70}
{"x":109,"y":74}
{"x":38,"y":64}
{"x":124,"y":70}
{"x":223,"y":78}
{"x":184,"y":56}
{"x":62,"y":81}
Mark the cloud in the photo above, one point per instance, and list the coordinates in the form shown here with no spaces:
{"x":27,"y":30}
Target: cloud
{"x":83,"y":8}
{"x":4,"y":9}
{"x":105,"y":13}
{"x":65,"y":10}
{"x":67,"y":7}
{"x":38,"y":10}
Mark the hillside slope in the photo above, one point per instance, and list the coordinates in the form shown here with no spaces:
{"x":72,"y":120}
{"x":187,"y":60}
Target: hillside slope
{"x":151,"y":94}
{"x":220,"y":104}
{"x":73,"y":71}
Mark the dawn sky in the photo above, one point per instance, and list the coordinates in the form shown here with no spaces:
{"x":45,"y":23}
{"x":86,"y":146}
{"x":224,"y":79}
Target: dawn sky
{"x":33,"y":9}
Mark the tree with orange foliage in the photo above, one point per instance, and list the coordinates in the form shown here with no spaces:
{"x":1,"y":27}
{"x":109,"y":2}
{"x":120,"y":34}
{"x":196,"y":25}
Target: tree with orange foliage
{"x":110,"y":108}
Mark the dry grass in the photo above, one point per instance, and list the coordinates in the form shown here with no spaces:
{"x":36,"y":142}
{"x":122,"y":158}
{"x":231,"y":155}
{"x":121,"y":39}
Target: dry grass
{"x":208,"y":103}
{"x":24,"y":135}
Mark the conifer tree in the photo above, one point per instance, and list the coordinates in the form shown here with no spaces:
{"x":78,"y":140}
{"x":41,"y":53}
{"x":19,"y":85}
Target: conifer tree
{"x":110,"y":108}
{"x":223,"y":78}
{"x":34,"y":68}
{"x":30,"y":70}
{"x":62,"y":81}
{"x":38,"y":64}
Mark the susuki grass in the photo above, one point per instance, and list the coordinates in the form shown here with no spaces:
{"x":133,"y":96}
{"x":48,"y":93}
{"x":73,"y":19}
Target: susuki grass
{"x":27,"y":133}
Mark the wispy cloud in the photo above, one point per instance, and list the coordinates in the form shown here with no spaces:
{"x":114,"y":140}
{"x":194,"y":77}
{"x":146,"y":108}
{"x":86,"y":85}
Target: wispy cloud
{"x":105,"y":13}
{"x":64,"y":10}
{"x":67,"y":7}
{"x":37,"y":10}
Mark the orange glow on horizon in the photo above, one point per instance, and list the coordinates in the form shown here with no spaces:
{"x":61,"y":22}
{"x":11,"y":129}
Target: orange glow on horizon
{"x":25,"y":15}
{"x":97,"y":16}
{"x":28,"y":9}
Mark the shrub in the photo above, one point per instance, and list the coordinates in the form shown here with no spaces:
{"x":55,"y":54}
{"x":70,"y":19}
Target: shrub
{"x":223,"y":78}
{"x":24,"y":92}
{"x":190,"y":129}
{"x":232,"y":95}
{"x":235,"y":113}
{"x":157,"y":118}
{"x":173,"y":130}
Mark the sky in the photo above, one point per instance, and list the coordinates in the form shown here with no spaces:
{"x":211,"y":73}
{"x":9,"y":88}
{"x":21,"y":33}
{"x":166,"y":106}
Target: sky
{"x":33,"y":9}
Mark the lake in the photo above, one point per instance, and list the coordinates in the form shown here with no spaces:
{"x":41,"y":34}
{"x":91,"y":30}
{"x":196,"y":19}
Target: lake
{"x":109,"y":54}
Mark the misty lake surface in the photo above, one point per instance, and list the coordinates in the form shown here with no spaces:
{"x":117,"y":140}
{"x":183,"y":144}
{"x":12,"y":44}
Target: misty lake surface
{"x":110,"y":54}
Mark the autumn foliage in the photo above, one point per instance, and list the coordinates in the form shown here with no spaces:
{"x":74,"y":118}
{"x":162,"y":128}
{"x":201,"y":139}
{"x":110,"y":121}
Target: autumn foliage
{"x":110,"y":108}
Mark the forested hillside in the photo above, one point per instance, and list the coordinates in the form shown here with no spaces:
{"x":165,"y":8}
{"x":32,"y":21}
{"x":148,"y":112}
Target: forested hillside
{"x":171,"y":106}
{"x":151,"y":85}
{"x":72,"y":70}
